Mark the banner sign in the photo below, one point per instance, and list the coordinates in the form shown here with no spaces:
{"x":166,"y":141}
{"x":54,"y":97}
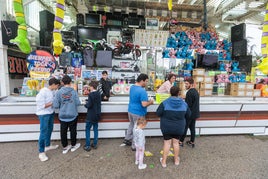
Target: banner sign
{"x":41,"y":64}
{"x":17,"y":65}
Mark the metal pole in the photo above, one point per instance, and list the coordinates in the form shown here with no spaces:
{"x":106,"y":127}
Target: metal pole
{"x":205,"y":25}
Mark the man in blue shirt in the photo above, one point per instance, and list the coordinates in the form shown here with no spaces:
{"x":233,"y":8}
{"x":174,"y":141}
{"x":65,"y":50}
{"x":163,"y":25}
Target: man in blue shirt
{"x":137,"y":107}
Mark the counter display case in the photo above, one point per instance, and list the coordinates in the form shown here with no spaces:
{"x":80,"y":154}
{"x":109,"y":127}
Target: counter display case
{"x":219,"y":115}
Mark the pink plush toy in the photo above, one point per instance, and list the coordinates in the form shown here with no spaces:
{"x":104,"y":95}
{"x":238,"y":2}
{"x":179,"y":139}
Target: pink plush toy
{"x":172,"y":53}
{"x":228,"y":67}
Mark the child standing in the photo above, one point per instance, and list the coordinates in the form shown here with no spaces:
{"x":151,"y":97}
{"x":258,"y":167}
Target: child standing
{"x":67,"y":101}
{"x":93,"y":106}
{"x":45,"y":114}
{"x":139,"y":141}
{"x":104,"y":86}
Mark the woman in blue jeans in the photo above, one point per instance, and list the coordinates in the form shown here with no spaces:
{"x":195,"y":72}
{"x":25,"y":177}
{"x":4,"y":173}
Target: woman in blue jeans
{"x":45,"y":114}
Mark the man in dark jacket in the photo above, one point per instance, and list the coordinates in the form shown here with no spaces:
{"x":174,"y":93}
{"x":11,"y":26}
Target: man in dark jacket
{"x":172,"y":113}
{"x":104,"y":86}
{"x":192,"y":99}
{"x":93,"y":106}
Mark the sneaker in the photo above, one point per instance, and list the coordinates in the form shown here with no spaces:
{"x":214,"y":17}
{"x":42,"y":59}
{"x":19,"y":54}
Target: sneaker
{"x":94,"y":146}
{"x":142,"y":166}
{"x":43,"y":157}
{"x":51,"y":147}
{"x":87,"y":148}
{"x":66,"y":149}
{"x":74,"y":148}
{"x":136,"y":162}
{"x":163,"y":165}
{"x":127,"y":142}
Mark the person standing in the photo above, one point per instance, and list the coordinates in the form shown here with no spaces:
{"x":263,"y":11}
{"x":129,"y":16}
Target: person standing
{"x":165,"y":87}
{"x":192,"y":99}
{"x":172,"y":113}
{"x":45,"y":114}
{"x":104,"y":86}
{"x":139,"y":142}
{"x":67,"y":101}
{"x":93,"y":106}
{"x":137,"y":107}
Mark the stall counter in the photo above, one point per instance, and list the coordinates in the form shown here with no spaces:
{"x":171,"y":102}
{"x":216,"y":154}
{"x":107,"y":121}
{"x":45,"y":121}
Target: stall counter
{"x":219,"y":115}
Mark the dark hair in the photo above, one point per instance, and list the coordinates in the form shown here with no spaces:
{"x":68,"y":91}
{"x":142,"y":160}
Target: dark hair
{"x":189,"y":80}
{"x":53,"y":81}
{"x":66,"y":80}
{"x":174,"y":91}
{"x":104,"y":72}
{"x":170,"y":76}
{"x":94,"y":84}
{"x":142,"y":77}
{"x":141,"y":120}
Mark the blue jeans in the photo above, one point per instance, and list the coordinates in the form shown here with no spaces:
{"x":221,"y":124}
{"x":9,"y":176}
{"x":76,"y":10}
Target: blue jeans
{"x":46,"y":128}
{"x":96,"y":133}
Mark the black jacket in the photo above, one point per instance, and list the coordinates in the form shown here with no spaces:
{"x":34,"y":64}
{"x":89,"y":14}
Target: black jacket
{"x":93,"y":106}
{"x":104,"y":88}
{"x":192,"y":99}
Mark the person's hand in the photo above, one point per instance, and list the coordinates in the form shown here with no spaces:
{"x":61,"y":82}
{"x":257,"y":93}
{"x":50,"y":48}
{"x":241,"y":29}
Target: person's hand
{"x":151,"y":101}
{"x":105,"y":97}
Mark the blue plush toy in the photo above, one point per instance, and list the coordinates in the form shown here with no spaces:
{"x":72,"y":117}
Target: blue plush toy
{"x":235,"y":65}
{"x":222,"y":66}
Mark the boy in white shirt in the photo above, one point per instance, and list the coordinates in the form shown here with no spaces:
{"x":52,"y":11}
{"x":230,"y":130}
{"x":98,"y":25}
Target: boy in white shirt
{"x":45,"y":114}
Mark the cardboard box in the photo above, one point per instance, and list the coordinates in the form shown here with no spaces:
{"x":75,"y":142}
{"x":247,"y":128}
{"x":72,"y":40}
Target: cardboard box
{"x":209,"y":79}
{"x":206,"y":85}
{"x":249,"y":86}
{"x":205,"y":92}
{"x":198,"y":72}
{"x":198,"y":79}
{"x":237,"y":93}
{"x":238,"y":86}
{"x":256,"y":92}
{"x":249,"y":93}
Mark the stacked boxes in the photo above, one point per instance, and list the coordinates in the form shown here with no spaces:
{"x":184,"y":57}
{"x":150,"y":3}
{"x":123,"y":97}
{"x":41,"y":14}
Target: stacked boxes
{"x":242,"y":89}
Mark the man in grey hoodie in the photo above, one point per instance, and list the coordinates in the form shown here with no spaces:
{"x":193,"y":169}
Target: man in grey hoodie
{"x":67,"y":101}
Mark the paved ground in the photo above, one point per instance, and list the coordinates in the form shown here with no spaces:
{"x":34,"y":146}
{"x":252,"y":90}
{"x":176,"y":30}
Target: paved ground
{"x":215,"y":157}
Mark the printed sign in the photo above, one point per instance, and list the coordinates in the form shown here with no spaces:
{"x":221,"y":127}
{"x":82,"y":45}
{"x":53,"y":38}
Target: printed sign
{"x":40,"y":64}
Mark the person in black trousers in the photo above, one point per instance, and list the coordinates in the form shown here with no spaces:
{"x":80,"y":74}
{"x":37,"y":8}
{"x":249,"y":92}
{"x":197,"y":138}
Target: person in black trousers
{"x":104,"y":87}
{"x":192,"y":99}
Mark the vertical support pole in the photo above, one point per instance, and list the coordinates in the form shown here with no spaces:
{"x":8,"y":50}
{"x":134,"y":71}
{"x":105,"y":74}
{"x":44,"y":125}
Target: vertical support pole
{"x":4,"y":76}
{"x":205,"y":24}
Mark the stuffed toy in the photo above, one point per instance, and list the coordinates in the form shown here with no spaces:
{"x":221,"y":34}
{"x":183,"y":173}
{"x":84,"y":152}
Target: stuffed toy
{"x":235,"y":65}
{"x":59,"y":15}
{"x":172,"y":53}
{"x":21,"y":40}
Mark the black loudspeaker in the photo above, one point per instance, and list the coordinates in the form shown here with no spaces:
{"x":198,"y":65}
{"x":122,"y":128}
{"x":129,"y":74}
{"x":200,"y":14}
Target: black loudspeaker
{"x":9,"y":31}
{"x":245,"y":63}
{"x":238,"y":32}
{"x":45,"y":38}
{"x":239,"y":48}
{"x":80,"y":19}
{"x":46,"y":20}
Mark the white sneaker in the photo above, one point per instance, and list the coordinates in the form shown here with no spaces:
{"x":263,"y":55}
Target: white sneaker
{"x":136,"y":162}
{"x":66,"y":149}
{"x":43,"y":157}
{"x":51,"y":147}
{"x":74,"y":148}
{"x":142,"y":166}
